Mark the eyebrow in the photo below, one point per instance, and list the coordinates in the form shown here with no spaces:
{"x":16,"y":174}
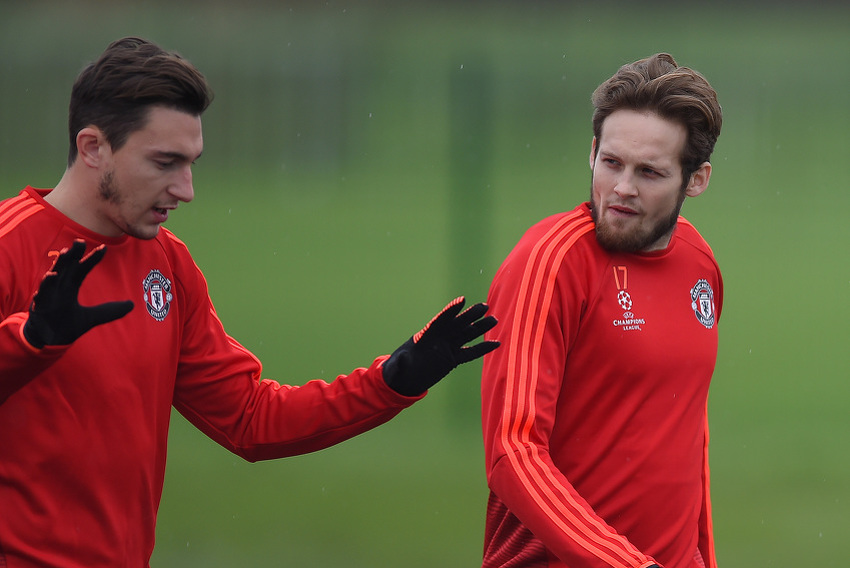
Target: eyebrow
{"x":642,"y":164}
{"x":178,"y":156}
{"x":653,"y":166}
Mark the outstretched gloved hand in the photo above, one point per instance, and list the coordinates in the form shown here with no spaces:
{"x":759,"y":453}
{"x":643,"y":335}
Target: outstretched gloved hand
{"x":432,"y":353}
{"x":56,"y":316}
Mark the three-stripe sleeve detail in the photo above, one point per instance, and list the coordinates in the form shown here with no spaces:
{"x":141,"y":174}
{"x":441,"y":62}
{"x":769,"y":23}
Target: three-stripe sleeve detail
{"x":536,"y":292}
{"x":15,"y":211}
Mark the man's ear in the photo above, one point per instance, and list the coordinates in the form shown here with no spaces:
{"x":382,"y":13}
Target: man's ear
{"x":592,"y":153}
{"x":699,"y":180}
{"x":91,"y":145}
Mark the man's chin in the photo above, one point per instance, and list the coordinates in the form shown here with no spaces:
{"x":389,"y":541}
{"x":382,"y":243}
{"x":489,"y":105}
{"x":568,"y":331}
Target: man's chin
{"x":144,"y":233}
{"x":615,"y":244}
{"x":614,"y":237}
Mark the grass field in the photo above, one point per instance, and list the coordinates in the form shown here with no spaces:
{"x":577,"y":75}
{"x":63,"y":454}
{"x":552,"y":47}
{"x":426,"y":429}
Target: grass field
{"x":324,"y":224}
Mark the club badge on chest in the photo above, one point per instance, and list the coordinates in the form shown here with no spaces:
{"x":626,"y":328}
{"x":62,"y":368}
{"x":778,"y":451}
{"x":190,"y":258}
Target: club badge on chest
{"x":157,"y":295}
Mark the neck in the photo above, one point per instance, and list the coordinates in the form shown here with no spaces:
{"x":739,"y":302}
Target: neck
{"x":73,"y":196}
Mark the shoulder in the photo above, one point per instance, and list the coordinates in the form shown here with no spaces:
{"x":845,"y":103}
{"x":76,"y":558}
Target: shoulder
{"x":568,"y":223}
{"x":27,"y":228}
{"x":170,"y":241}
{"x":558,"y":232}
{"x":179,"y":257}
{"x":554,"y":247}
{"x":174,"y":248}
{"x":16,"y":211}
{"x":688,"y":235}
{"x":26,"y":237}
{"x":552,"y":240}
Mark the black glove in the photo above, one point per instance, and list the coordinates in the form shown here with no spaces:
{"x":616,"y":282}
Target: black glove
{"x":56,"y":316}
{"x":432,"y":353}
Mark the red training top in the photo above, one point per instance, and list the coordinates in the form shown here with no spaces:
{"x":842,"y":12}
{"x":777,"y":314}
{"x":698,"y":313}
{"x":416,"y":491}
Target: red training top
{"x":594,"y":408}
{"x":84,"y":427}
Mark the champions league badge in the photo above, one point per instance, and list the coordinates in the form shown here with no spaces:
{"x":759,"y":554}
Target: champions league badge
{"x":702,"y":302}
{"x":629,"y":321}
{"x":157,"y":294}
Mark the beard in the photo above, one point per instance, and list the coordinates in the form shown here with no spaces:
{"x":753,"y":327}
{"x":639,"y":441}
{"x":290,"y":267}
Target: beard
{"x":614,"y":239}
{"x":110,"y":192}
{"x":108,"y":189}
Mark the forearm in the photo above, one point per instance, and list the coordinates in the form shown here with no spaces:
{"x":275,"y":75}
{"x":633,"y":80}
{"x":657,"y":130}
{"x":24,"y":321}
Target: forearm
{"x":269,"y":420}
{"x":220,"y":388}
{"x":528,"y":483}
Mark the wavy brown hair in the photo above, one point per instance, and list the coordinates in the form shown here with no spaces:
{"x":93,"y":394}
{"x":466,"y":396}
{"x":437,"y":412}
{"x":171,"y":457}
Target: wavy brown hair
{"x":680,"y":94}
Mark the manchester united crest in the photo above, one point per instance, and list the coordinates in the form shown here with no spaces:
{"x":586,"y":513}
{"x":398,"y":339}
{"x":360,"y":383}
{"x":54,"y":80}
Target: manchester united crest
{"x":702,"y":302}
{"x":157,"y":294}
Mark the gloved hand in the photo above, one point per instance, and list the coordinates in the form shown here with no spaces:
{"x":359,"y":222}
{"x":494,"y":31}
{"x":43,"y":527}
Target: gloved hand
{"x":56,"y":316}
{"x":432,"y":353}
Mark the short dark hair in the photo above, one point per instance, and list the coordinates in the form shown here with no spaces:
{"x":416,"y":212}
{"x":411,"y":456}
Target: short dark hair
{"x":675,"y":93}
{"x":116,"y":92}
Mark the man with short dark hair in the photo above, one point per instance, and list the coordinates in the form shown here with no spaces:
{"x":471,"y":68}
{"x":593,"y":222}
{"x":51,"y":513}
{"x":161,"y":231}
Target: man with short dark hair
{"x":95,"y":348}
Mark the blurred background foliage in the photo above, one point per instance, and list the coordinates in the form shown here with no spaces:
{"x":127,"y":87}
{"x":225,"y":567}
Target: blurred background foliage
{"x":365,"y":162}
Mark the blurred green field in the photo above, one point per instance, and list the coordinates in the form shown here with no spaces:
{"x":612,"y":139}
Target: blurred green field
{"x":333,"y":218}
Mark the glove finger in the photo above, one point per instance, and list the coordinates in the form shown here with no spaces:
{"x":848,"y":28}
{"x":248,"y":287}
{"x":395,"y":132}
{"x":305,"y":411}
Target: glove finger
{"x":66,"y":273}
{"x":470,"y":315}
{"x":476,"y":329}
{"x":450,"y":312}
{"x":68,"y":257}
{"x":442,"y":319}
{"x":56,"y":279}
{"x":106,"y":312}
{"x":457,"y":329}
{"x":473,"y":352}
{"x":47,"y":288}
{"x":85,"y":265}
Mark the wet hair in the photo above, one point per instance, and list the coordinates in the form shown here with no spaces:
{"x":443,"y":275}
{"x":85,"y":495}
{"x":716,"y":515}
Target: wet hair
{"x":116,"y":92}
{"x":679,"y":94}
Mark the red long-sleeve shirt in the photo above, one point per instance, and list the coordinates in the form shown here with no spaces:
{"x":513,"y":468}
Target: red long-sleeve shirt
{"x":83,"y":428}
{"x":594,"y":408}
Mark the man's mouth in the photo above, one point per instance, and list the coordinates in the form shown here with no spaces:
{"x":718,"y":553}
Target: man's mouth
{"x":622,"y":211}
{"x":161,"y":213}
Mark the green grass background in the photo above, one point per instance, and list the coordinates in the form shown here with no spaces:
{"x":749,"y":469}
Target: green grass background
{"x":336,"y":211}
